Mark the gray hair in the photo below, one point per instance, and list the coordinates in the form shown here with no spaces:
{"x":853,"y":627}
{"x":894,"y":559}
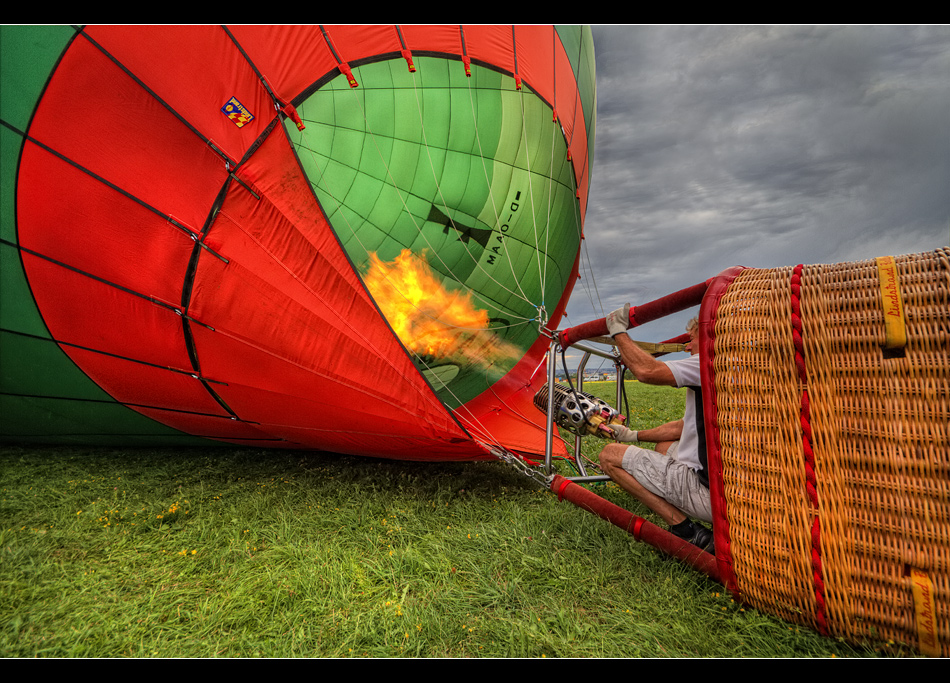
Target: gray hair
{"x":692,"y":324}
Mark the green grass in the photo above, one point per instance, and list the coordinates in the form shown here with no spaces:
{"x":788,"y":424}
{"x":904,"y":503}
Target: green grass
{"x":235,"y":552}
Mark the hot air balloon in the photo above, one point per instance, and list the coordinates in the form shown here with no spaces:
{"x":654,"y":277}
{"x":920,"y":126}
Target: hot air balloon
{"x":347,"y":238}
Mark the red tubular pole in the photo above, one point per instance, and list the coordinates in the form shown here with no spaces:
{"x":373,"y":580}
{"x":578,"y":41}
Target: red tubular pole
{"x":639,"y":528}
{"x":639,"y":315}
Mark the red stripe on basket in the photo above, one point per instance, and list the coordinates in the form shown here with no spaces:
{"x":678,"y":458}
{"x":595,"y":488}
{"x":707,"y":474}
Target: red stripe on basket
{"x":811,"y":482}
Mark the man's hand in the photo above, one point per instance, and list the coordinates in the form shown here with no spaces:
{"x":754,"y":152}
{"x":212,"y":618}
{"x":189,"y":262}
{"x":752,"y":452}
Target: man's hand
{"x":623,"y":434}
{"x":618,"y":321}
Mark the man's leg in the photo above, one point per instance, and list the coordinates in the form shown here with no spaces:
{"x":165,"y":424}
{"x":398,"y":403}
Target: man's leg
{"x":611,"y":462}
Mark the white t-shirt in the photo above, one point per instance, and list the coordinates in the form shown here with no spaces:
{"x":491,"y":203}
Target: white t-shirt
{"x":692,"y":448}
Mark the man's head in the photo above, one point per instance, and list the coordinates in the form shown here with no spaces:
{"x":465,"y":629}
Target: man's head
{"x":693,"y":328}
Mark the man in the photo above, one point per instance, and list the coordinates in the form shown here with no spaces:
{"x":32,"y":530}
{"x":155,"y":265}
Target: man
{"x":672,"y":480}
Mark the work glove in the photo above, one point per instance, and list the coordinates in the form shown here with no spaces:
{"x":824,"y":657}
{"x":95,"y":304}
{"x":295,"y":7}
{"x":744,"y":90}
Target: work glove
{"x":618,"y":321}
{"x":621,"y":433}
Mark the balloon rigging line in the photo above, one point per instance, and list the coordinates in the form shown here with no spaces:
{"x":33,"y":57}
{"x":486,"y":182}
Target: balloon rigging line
{"x":428,"y":150}
{"x":551,"y":190}
{"x":491,"y":195}
{"x":589,"y":270}
{"x":411,"y":216}
{"x":593,"y":281}
{"x":472,"y":423}
{"x":476,"y":427}
{"x":534,"y":218}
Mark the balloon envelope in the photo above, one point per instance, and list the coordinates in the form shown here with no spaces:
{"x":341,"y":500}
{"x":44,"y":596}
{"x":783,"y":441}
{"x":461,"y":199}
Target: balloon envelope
{"x":344,"y":237}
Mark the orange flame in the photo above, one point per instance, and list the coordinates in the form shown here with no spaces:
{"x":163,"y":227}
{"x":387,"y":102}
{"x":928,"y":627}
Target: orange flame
{"x":429,"y":319}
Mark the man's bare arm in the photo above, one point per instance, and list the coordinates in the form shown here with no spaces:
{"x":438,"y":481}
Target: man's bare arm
{"x":671,"y":431}
{"x":644,"y":367}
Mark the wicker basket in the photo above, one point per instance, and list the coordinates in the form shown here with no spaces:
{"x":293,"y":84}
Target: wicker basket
{"x":834,"y":447}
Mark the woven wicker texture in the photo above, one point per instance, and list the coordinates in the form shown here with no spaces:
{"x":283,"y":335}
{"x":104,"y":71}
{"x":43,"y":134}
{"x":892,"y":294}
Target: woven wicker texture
{"x":834,"y":450}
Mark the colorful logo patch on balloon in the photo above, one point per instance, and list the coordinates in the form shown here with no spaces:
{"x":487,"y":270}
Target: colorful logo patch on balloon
{"x":237,"y":112}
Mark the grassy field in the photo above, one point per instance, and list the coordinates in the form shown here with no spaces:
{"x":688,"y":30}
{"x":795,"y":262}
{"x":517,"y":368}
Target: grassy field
{"x":235,"y":552}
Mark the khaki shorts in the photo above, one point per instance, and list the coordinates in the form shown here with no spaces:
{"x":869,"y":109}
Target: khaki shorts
{"x":669,"y":479}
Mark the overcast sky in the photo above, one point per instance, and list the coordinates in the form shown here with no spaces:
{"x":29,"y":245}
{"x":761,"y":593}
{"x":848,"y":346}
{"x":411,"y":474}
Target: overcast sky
{"x":760,"y":146}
